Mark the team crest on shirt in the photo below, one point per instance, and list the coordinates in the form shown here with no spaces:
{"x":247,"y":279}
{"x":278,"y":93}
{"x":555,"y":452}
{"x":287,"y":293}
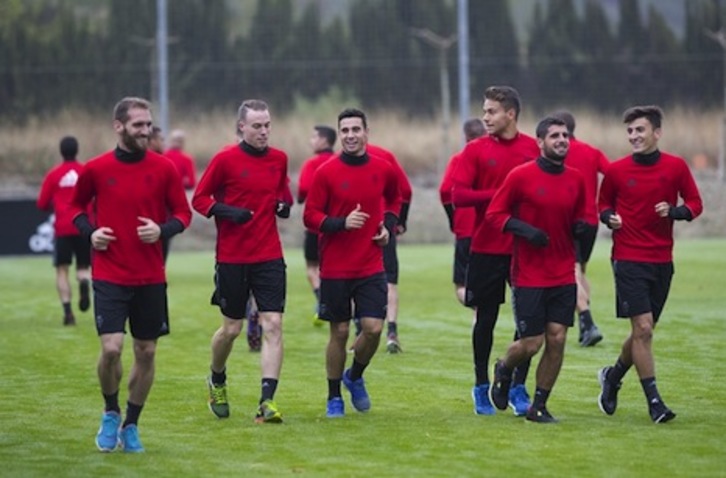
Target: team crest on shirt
{"x":631,"y":183}
{"x":541,"y":191}
{"x":491,"y":162}
{"x":345,"y":185}
{"x":111,"y":181}
{"x":245,"y":173}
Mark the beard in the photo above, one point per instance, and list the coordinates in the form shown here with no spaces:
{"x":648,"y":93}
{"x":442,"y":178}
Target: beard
{"x":134,"y":143}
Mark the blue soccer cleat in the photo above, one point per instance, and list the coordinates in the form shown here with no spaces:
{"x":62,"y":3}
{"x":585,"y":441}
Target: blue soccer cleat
{"x":519,"y":400}
{"x":358,"y":393}
{"x":107,"y":438}
{"x":480,"y":395}
{"x":335,"y":408}
{"x":129,"y":437}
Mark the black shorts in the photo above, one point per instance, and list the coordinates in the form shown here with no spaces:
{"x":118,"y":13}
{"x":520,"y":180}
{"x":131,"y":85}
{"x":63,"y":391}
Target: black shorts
{"x":461,"y":260}
{"x":144,"y":305}
{"x":390,"y":258}
{"x":585,"y":243}
{"x":641,"y":287}
{"x":66,"y":247}
{"x":310,"y":247}
{"x":234,"y":282}
{"x":486,"y":279}
{"x":369,"y":294}
{"x":534,"y":307}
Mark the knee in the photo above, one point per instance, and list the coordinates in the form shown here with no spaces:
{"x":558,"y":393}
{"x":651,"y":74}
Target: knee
{"x":643,"y":331}
{"x":372,"y":328}
{"x":339,"y":331}
{"x":556,"y":338}
{"x":144,"y":351}
{"x":271,"y":325}
{"x":231,"y":329}
{"x":111,"y":353}
{"x":532,"y":344}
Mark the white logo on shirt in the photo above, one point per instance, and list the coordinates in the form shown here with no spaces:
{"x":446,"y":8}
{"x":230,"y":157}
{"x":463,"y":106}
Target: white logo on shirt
{"x":69,"y":179}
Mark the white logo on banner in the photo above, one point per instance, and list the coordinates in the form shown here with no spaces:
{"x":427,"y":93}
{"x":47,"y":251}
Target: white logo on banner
{"x":42,"y":240}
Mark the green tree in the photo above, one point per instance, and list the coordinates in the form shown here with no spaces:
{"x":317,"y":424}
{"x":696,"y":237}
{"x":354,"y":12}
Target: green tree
{"x":597,"y":45}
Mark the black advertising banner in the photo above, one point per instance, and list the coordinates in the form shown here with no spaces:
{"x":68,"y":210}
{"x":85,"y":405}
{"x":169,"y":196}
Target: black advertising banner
{"x":26,"y":229}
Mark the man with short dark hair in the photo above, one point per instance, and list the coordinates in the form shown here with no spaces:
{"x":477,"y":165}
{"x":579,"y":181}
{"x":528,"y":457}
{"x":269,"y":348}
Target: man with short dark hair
{"x":182,"y":160}
{"x":542,"y":204}
{"x":242,"y":188}
{"x":345,"y":206}
{"x":322,"y":142}
{"x":137,"y":200}
{"x":639,"y":201}
{"x":56,"y":194}
{"x":484,"y":164}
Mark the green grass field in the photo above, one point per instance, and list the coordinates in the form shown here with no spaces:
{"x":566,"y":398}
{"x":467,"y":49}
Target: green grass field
{"x":421,"y":423}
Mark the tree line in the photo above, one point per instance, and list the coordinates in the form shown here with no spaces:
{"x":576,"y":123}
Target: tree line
{"x":59,"y":54}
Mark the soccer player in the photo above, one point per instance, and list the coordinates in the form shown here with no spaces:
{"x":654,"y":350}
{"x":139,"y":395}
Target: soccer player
{"x":156,"y":140}
{"x":639,"y":202}
{"x":542,"y":204}
{"x":322,"y":142}
{"x":56,"y":194}
{"x":137,"y":199}
{"x":589,"y":161}
{"x":481,"y":170}
{"x":241,"y":188}
{"x":181,"y":159}
{"x":344,"y":205}
{"x":461,"y":220}
{"x":390,"y":252}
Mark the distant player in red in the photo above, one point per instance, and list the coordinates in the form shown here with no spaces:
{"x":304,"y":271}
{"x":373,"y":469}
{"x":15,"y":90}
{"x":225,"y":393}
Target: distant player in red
{"x":344,"y":205}
{"x":55,"y":195}
{"x":182,"y":160}
{"x":390,"y":250}
{"x":242,"y":188}
{"x":322,"y":142}
{"x":137,"y":200}
{"x":461,"y":219}
{"x":639,"y":201}
{"x":542,"y":204}
{"x":591,"y":162}
{"x":480,"y":171}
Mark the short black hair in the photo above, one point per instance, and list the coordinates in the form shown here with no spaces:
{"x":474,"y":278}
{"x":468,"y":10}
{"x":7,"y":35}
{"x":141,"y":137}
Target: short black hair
{"x":69,"y":147}
{"x":325,"y":131}
{"x":568,"y":118}
{"x":507,"y":96}
{"x":473,"y":128}
{"x":544,"y":125}
{"x":652,"y":113}
{"x":353,"y":113}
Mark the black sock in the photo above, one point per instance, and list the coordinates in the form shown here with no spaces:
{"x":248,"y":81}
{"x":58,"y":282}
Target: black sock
{"x":67,"y":308}
{"x":651,"y":390}
{"x":356,"y":370}
{"x":540,"y":398}
{"x":482,"y":337}
{"x":269,"y":386}
{"x":112,"y":402}
{"x":618,"y":371}
{"x":333,"y":388}
{"x":392,"y":328}
{"x":132,"y":414}
{"x":219,"y":378}
{"x":586,"y":320}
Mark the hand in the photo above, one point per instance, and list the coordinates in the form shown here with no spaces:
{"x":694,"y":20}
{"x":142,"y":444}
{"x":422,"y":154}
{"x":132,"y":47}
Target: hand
{"x":615,"y":222}
{"x":538,"y":238}
{"x":381,"y":238}
{"x":662,"y":209}
{"x":282,"y":209}
{"x":356,"y":219}
{"x":241,"y":215}
{"x":148,"y":231}
{"x":101,"y":238}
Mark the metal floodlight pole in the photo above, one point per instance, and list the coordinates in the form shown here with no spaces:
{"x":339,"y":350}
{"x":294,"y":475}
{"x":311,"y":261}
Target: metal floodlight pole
{"x":162,"y":56}
{"x":443,"y":45}
{"x":462,"y":14}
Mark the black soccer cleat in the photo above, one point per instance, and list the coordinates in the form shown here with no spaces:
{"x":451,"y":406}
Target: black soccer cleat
{"x":540,"y":415}
{"x":499,"y":389}
{"x":659,"y":413}
{"x":608,"y":398}
{"x":590,"y":336}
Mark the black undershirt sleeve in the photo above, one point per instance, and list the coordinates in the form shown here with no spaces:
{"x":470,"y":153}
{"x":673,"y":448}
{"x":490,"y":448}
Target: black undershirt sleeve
{"x":449,"y":208}
{"x":605,"y":216}
{"x":680,"y":213}
{"x":84,"y":226}
{"x":333,"y":224}
{"x":171,"y":228}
